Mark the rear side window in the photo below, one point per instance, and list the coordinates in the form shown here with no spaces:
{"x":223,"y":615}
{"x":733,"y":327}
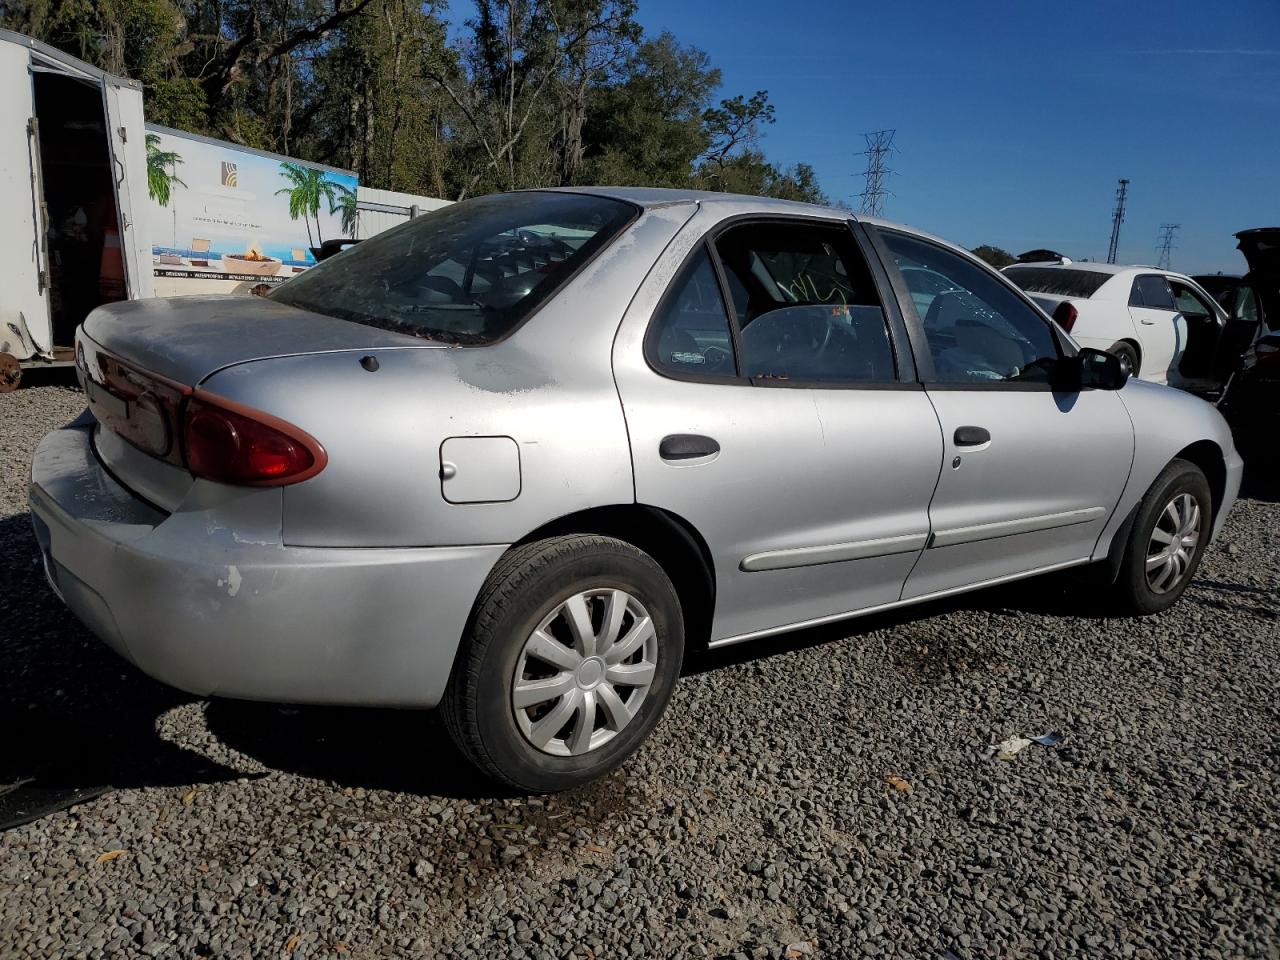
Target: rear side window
{"x":1058,"y":281}
{"x":468,"y":273}
{"x":690,"y":334}
{"x":806,"y":306}
{"x":1151,"y":291}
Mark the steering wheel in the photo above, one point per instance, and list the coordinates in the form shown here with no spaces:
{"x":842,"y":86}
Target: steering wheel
{"x":799,"y":333}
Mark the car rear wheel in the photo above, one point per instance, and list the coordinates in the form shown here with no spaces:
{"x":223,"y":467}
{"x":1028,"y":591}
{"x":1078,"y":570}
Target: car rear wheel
{"x":1167,"y":540}
{"x":1128,"y":357}
{"x":574,"y":649}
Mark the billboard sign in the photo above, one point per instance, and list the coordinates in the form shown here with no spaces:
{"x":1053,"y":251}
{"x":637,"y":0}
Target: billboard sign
{"x":220,"y":212}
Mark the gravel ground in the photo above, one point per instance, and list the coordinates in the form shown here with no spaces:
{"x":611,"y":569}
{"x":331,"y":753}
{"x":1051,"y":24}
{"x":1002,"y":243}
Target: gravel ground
{"x":826,"y":794}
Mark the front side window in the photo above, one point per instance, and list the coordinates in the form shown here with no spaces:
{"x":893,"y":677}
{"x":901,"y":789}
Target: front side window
{"x":978,"y":330}
{"x":690,"y":334}
{"x":1153,"y":292}
{"x":806,"y":305}
{"x":468,"y":273}
{"x":1189,"y":303}
{"x":1246,"y":305}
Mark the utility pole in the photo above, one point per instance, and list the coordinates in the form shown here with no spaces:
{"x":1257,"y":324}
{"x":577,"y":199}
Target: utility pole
{"x":877,"y":174}
{"x":1117,"y":218}
{"x":1164,"y":246}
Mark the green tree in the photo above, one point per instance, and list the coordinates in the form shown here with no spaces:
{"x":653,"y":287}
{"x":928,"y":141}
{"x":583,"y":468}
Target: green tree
{"x":526,"y":93}
{"x":996,"y":256}
{"x":647,"y":127}
{"x":161,"y":170}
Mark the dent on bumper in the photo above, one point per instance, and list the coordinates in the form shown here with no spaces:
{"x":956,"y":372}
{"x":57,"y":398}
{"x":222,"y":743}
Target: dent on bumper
{"x":195,"y":603}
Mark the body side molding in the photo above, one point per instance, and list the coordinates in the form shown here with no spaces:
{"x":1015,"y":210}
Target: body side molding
{"x":833,"y":553}
{"x":1007,"y":528}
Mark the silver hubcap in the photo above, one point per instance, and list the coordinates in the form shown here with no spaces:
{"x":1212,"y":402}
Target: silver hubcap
{"x":1173,"y":543}
{"x":583,"y":674}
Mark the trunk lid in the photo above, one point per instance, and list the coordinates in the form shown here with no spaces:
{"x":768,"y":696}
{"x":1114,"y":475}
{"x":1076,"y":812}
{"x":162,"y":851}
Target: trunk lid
{"x":1261,"y":249}
{"x":140,"y":361}
{"x":186,"y":339}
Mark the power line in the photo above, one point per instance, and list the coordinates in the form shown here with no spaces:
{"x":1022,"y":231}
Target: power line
{"x":1165,"y":245}
{"x":879,"y":145}
{"x":1117,"y":218}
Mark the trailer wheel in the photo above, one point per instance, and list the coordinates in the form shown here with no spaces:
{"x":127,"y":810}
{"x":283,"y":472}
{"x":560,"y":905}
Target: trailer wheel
{"x":10,"y":373}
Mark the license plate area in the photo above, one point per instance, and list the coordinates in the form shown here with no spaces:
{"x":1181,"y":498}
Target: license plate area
{"x":143,"y":408}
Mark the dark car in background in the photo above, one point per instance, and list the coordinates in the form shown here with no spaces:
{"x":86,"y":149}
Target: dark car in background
{"x":1252,"y":399}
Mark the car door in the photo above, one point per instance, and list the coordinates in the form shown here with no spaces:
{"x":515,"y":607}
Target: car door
{"x":772,"y":411}
{"x":1204,"y":324}
{"x":1030,"y":474}
{"x":1161,"y":329}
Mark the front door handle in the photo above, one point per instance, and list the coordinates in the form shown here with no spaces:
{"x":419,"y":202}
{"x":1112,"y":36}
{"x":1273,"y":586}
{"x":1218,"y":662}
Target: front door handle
{"x":972,"y":436}
{"x":687,"y":446}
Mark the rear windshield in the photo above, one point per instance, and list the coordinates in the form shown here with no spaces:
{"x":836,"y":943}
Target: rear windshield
{"x":1058,"y":281}
{"x":468,"y":273}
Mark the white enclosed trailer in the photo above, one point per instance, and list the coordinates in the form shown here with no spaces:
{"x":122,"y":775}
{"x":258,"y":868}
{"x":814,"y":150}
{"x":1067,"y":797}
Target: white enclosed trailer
{"x":83,"y":227}
{"x":73,"y":174}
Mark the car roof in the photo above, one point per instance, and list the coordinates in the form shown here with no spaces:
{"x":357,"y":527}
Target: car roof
{"x":1090,"y":265}
{"x":650,"y":197}
{"x":736,"y":204}
{"x":1115,"y":269}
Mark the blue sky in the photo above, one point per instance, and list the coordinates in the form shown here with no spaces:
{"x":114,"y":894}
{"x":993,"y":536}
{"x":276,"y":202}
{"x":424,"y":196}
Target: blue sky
{"x":1015,"y":119}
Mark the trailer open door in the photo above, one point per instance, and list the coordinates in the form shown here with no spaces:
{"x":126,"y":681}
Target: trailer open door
{"x":73,"y":164}
{"x":126,"y":138}
{"x":24,"y":301}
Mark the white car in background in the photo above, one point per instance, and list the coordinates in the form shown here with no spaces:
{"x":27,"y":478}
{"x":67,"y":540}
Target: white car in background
{"x":1162,"y":326}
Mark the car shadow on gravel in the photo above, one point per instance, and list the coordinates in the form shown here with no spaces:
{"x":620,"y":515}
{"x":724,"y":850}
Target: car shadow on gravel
{"x":408,"y":751}
{"x":77,"y":720}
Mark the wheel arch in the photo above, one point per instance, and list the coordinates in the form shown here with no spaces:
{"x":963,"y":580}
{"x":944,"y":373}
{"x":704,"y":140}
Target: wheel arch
{"x":1135,"y":346}
{"x":673,"y":542}
{"x":1208,"y":456}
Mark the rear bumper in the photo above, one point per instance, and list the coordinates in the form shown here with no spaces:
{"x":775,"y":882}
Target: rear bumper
{"x":208,"y":600}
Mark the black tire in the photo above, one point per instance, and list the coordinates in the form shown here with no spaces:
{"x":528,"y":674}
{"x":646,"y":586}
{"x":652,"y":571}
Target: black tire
{"x":1127,"y":355}
{"x":524,"y":588}
{"x":1133,"y":593}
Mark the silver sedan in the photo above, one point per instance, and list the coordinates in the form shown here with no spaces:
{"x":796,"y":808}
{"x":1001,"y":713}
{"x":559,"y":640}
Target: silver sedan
{"x":517,"y":455}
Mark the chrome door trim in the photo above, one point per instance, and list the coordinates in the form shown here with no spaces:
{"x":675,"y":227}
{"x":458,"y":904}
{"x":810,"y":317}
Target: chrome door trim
{"x":833,"y":553}
{"x":849,"y":615}
{"x":1007,"y":528}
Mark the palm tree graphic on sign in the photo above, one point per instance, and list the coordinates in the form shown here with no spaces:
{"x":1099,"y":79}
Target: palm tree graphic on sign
{"x":161,"y":167}
{"x":308,"y":187}
{"x":346,"y":205}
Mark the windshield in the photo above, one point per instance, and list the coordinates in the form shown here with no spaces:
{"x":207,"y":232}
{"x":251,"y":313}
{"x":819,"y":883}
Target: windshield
{"x":1058,"y":281}
{"x":468,"y":273}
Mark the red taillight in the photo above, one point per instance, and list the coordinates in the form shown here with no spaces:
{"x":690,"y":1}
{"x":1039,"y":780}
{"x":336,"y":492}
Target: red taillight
{"x":1065,"y":315}
{"x":230,"y":443}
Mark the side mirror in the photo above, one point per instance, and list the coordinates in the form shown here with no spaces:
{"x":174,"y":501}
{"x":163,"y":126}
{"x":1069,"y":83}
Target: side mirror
{"x":1100,"y":370}
{"x":1091,"y":369}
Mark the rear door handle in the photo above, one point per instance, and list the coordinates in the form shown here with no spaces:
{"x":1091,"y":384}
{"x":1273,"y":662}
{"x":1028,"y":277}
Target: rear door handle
{"x":1149,"y":323}
{"x":687,"y":446}
{"x":972,"y":436}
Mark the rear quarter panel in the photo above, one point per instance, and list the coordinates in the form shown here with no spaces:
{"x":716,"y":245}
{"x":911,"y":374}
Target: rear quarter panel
{"x":549,"y":387}
{"x":1102,"y":323}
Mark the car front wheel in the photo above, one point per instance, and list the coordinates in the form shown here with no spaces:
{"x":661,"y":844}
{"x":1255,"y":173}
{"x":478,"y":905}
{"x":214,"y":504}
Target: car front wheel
{"x":1167,"y":540}
{"x":575,"y":646}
